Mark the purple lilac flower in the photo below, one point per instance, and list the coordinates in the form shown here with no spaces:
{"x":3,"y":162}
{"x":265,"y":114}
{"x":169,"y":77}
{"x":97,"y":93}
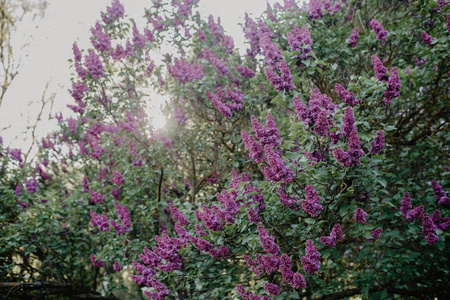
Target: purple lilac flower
{"x":336,"y":235}
{"x":222,"y":69}
{"x":18,"y":190}
{"x":284,"y":81}
{"x":380,"y":69}
{"x":252,"y":145}
{"x":376,"y":233}
{"x":223,"y":108}
{"x":124,"y":216}
{"x":96,"y":197}
{"x":138,"y":39}
{"x":322,"y":124}
{"x":96,"y":263}
{"x":271,"y":289}
{"x":448,"y":23}
{"x":178,"y":215}
{"x":267,"y":241}
{"x":310,"y":261}
{"x":379,"y":30}
{"x":393,"y":88}
{"x":16,"y":154}
{"x":245,"y":72}
{"x":348,"y":97}
{"x":117,"y":178}
{"x":301,"y":42}
{"x":100,"y":221}
{"x":377,"y":145}
{"x":352,"y":42}
{"x":311,"y":202}
{"x":31,"y":185}
{"x":360,"y":216}
{"x":277,"y":170}
{"x":271,"y":52}
{"x":94,"y":65}
{"x":117,"y":266}
{"x":210,"y":220}
{"x":100,"y":39}
{"x":427,"y":39}
{"x":76,"y":52}
{"x":115,"y":11}
{"x":287,"y":200}
{"x":199,"y":230}
{"x":429,"y":230}
{"x":315,"y":9}
{"x":268,"y":135}
{"x":439,"y":193}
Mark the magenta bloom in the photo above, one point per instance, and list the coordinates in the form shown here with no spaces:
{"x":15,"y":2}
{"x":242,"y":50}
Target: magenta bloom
{"x":376,"y":233}
{"x":439,"y":193}
{"x":379,"y":30}
{"x":253,"y":216}
{"x":267,"y":135}
{"x":178,"y":215}
{"x":393,"y":88}
{"x":427,"y":39}
{"x":353,"y":38}
{"x":379,"y":68}
{"x":348,"y":97}
{"x":252,"y":145}
{"x":267,"y":241}
{"x":96,"y":263}
{"x":76,"y":52}
{"x":117,"y":266}
{"x":271,"y":289}
{"x":94,"y":65}
{"x":377,"y":144}
{"x":311,"y":203}
{"x":310,"y":260}
{"x":360,"y":216}
{"x":277,"y":170}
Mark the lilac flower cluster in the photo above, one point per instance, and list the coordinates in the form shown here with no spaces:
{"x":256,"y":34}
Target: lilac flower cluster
{"x":115,"y":11}
{"x":317,"y":103}
{"x":178,"y":215}
{"x":253,"y":216}
{"x":179,"y":116}
{"x":267,"y":241}
{"x":76,"y":52}
{"x":222,"y":107}
{"x":245,"y":72}
{"x":276,"y":171}
{"x":348,"y":97}
{"x":336,"y":235}
{"x":251,"y":34}
{"x":117,"y":178}
{"x":379,"y":30}
{"x":100,"y":39}
{"x":96,"y":197}
{"x":199,"y":230}
{"x":282,"y":82}
{"x":427,"y":39}
{"x":296,"y":280}
{"x":352,"y":42}
{"x":94,"y":65}
{"x":117,"y":267}
{"x":393,"y":88}
{"x":379,"y":68}
{"x":300,"y":41}
{"x":100,"y":221}
{"x":352,"y":156}
{"x":271,"y":289}
{"x":31,"y":186}
{"x":376,"y":233}
{"x":268,"y":135}
{"x":253,"y":146}
{"x":210,"y":220}
{"x":315,"y":9}
{"x":287,"y":200}
{"x":249,"y":295}
{"x":439,"y":193}
{"x":311,"y":202}
{"x":271,"y":52}
{"x":95,"y":262}
{"x":377,"y":145}
{"x":310,"y":261}
{"x":124,"y":216}
{"x":183,"y":72}
{"x":222,"y":69}
{"x":359,"y":216}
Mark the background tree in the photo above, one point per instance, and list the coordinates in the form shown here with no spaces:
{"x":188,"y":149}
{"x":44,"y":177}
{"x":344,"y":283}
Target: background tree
{"x":283,"y":173}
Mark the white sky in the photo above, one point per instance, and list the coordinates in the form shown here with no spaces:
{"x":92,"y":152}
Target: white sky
{"x":45,"y":59}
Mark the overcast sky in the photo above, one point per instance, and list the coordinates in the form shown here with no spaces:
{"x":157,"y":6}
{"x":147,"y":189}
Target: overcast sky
{"x":45,"y":59}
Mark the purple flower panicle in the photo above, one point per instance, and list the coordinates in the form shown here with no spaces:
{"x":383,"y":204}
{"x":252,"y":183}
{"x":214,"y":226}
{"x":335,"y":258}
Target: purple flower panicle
{"x":310,"y":260}
{"x":360,"y":216}
{"x":352,"y":42}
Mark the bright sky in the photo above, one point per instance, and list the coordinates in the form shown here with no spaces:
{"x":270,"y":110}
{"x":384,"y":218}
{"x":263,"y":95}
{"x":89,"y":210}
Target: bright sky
{"x":45,"y":60}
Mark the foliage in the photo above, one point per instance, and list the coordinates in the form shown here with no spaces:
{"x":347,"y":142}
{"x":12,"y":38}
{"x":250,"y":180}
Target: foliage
{"x":311,"y":167}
